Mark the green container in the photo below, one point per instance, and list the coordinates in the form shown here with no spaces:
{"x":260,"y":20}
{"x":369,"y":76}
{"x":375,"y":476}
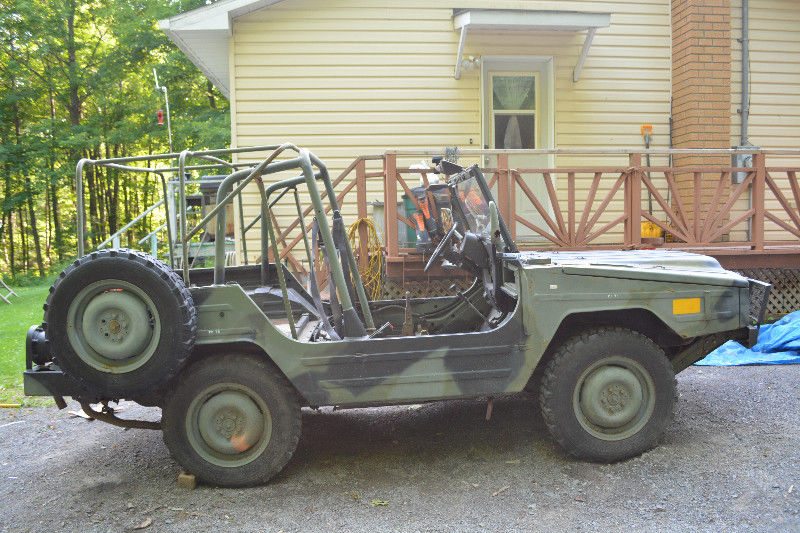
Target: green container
{"x":411,"y":233}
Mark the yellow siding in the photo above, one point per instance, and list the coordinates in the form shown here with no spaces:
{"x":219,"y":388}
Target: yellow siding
{"x":354,"y":77}
{"x":774,"y":73}
{"x":774,"y":88}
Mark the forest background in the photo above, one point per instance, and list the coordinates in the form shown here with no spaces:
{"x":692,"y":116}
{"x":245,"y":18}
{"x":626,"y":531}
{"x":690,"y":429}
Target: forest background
{"x":76,"y":80}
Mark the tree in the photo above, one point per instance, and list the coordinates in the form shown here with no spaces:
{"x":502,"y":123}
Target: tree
{"x":76,"y":81}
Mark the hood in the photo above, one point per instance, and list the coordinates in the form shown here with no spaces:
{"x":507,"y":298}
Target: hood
{"x":661,"y":265}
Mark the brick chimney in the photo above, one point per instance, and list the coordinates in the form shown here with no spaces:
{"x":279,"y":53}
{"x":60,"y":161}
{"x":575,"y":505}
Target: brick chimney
{"x":701,"y":90}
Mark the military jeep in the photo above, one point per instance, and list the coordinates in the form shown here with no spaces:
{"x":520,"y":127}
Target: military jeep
{"x":232,"y":354}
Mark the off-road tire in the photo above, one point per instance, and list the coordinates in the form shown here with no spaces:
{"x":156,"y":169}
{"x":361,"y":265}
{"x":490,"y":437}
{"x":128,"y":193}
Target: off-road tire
{"x":567,"y":369}
{"x":170,"y":299}
{"x":210,"y":377}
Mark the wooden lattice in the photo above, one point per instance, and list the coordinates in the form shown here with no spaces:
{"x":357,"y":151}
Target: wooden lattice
{"x":785,"y":295}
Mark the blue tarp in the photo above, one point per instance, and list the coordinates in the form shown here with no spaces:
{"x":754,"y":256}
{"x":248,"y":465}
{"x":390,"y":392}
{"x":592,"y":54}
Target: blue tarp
{"x":778,"y":344}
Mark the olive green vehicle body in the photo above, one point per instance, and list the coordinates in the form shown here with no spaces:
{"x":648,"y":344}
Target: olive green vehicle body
{"x":552,"y":294}
{"x":557,"y":292}
{"x":454,"y":365}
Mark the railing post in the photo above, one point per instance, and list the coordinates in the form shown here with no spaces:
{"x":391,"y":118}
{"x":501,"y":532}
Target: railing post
{"x":512,"y":205}
{"x":390,"y":205}
{"x":571,"y":207}
{"x":361,"y":199}
{"x":759,"y":184}
{"x":503,"y":188}
{"x":634,"y":201}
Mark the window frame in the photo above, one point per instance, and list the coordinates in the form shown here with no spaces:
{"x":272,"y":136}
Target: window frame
{"x":534,"y":112}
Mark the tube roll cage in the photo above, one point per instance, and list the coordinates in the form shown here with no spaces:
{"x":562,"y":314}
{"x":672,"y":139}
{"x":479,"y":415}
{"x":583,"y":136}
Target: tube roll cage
{"x":243,"y":174}
{"x":305,"y":161}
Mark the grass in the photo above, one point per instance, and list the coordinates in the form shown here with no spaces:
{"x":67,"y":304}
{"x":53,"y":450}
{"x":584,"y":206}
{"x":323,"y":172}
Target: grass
{"x":15,"y":319}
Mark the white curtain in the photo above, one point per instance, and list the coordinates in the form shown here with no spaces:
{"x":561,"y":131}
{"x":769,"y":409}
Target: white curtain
{"x":511,"y":93}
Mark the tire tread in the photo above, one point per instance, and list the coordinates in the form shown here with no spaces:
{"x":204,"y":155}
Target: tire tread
{"x":187,"y":310}
{"x":548,"y":389}
{"x":285,"y":390}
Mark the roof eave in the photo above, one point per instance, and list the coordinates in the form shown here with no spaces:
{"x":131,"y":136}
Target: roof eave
{"x":213,"y":74}
{"x":210,"y":27}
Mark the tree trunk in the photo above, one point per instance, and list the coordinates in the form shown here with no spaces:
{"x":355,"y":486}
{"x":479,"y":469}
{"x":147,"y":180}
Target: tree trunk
{"x":59,"y":234}
{"x":10,"y":231}
{"x":23,"y":230}
{"x":37,"y":247}
{"x":48,"y":223}
{"x":8,"y":227}
{"x":75,"y":103}
{"x":52,"y":183}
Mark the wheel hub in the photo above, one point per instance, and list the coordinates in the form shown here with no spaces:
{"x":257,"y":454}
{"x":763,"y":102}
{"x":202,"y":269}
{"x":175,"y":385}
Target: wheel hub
{"x":113,"y":326}
{"x":611,"y":396}
{"x":116,"y":325}
{"x":614,"y":397}
{"x":231,"y":423}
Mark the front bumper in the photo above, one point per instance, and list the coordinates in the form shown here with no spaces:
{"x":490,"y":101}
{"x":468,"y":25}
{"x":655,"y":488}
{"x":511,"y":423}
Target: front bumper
{"x":753,"y":311}
{"x":752,"y":337}
{"x":758,"y":301}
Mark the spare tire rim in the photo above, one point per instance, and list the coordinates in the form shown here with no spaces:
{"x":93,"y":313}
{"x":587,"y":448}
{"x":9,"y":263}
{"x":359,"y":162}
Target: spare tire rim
{"x":113,"y":326}
{"x":614,"y":398}
{"x":228,"y":425}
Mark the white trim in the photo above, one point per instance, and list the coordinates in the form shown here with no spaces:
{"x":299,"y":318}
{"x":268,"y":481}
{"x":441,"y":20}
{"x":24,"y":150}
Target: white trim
{"x":460,"y":53}
{"x":545,"y":68}
{"x":530,"y":21}
{"x":233,"y":105}
{"x":587,"y":43}
{"x":492,"y":112}
{"x":207,"y":28}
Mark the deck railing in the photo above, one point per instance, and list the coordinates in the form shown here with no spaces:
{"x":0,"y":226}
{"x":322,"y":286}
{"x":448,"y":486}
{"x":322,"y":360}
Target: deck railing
{"x":578,"y":207}
{"x":589,"y":199}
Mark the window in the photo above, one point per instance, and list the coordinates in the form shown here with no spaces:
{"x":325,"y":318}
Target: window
{"x":514,"y":111}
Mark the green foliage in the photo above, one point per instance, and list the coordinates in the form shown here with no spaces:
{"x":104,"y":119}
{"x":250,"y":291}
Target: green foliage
{"x":76,"y":80}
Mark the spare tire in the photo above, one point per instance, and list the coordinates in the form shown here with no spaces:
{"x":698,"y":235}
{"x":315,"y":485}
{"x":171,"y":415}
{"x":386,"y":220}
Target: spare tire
{"x":121,"y":322}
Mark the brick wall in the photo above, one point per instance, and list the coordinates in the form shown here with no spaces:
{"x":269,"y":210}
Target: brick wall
{"x":701,"y":90}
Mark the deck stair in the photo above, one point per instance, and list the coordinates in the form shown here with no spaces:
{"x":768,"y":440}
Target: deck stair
{"x":6,"y":297}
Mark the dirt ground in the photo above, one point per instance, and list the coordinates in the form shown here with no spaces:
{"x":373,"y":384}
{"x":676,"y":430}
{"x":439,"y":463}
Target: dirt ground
{"x":730,"y":462}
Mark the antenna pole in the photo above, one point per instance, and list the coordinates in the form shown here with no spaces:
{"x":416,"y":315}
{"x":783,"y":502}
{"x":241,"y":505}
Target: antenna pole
{"x":163,"y":89}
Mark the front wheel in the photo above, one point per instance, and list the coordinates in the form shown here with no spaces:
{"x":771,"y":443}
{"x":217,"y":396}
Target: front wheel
{"x":233,"y":421}
{"x":608,"y":394}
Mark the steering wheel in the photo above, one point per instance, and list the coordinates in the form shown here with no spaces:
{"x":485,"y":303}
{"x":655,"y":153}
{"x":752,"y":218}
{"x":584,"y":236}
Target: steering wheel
{"x":440,"y":247}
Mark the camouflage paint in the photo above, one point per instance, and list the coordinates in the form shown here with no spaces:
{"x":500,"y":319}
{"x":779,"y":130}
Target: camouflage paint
{"x":493,"y":362}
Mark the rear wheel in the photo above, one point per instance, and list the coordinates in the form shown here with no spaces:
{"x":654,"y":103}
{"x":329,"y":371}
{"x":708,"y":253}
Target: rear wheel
{"x":232,"y":421}
{"x":608,"y":394}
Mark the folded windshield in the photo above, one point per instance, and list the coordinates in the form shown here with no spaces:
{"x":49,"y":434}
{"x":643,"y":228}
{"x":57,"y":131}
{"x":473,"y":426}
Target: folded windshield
{"x":474,"y":205}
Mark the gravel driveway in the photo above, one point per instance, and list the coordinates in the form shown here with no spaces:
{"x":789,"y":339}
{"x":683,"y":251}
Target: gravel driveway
{"x":731,"y":461}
